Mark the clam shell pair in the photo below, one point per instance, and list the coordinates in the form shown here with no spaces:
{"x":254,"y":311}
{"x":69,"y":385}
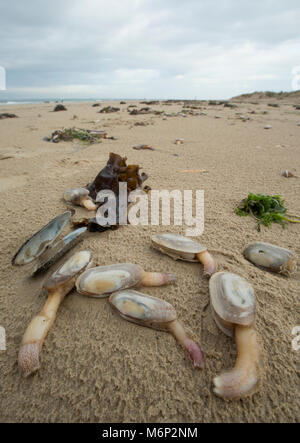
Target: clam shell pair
{"x":103,"y":280}
{"x":232,"y":301}
{"x":58,"y":285}
{"x":143,"y":309}
{"x":177,"y":246}
{"x":156,"y":314}
{"x":41,"y":249}
{"x":80,"y":197}
{"x":272,"y":257}
{"x":233,"y":305}
{"x":76,"y":264}
{"x":182,"y":248}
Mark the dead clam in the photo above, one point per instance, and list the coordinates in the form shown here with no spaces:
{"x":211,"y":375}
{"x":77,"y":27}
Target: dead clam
{"x":155,"y":313}
{"x":101,"y":281}
{"x":272,"y":257}
{"x":80,"y":197}
{"x":182,"y":248}
{"x":233,"y":307}
{"x":58,"y":285}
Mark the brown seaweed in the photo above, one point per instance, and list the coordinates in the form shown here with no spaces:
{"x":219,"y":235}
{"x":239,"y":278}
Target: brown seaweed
{"x":59,"y":108}
{"x":114,"y":172}
{"x":7,"y":115}
{"x":109,"y":109}
{"x":132,"y":177}
{"x":108,"y":176}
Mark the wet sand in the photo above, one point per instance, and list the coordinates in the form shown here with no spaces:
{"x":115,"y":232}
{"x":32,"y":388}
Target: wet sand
{"x":96,"y":367}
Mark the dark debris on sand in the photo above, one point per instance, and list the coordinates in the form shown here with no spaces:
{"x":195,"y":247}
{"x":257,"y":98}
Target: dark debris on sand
{"x":59,"y":108}
{"x":7,"y":115}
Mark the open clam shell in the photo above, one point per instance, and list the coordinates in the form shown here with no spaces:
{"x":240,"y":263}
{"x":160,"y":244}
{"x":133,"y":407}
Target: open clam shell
{"x":143,"y":309}
{"x":177,"y":246}
{"x":56,"y":251}
{"x":232,"y":300}
{"x":72,"y":267}
{"x":272,"y":257}
{"x":103,"y":280}
{"x":36,"y":245}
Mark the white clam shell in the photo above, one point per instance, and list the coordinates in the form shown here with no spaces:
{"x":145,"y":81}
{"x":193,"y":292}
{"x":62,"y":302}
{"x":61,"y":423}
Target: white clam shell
{"x":76,"y":264}
{"x":103,"y":280}
{"x":232,"y":299}
{"x":271,"y":257}
{"x":177,"y":246}
{"x":143,"y":309}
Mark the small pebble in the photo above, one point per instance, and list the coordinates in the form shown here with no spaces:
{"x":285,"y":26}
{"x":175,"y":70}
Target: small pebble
{"x":268,"y":127}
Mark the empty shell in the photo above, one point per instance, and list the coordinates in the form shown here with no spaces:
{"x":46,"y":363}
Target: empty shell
{"x":37,"y":244}
{"x":57,"y":250}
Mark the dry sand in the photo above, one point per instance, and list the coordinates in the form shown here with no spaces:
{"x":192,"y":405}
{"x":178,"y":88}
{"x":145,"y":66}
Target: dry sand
{"x":96,"y":367}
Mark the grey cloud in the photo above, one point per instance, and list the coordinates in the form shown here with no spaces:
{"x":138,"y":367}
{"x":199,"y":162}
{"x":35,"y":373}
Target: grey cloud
{"x":182,"y":48}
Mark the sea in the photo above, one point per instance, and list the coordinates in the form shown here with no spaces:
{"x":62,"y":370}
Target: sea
{"x":23,"y":101}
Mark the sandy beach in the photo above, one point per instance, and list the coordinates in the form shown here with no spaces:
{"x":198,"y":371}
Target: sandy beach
{"x":95,"y":366}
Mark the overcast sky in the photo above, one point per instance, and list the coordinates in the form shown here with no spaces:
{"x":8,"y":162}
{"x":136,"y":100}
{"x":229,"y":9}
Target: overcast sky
{"x":148,"y":48}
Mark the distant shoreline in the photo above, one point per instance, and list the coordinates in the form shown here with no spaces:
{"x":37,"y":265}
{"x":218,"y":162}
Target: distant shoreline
{"x":293,"y":96}
{"x":50,"y":101}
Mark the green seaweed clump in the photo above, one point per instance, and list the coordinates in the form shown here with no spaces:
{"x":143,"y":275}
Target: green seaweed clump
{"x":84,"y":135}
{"x":266,"y":209}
